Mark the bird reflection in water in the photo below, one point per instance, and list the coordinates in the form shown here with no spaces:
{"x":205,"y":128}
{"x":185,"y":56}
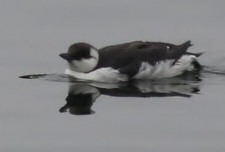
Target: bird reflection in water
{"x":80,"y":99}
{"x":82,"y":95}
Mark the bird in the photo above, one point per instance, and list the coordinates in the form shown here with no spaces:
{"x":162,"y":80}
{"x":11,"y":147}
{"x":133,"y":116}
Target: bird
{"x":129,"y":61}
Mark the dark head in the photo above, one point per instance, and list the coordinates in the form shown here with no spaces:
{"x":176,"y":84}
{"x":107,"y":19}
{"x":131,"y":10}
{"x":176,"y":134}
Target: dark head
{"x":82,"y":57}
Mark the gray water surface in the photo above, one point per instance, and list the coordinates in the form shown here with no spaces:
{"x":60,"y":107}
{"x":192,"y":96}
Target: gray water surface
{"x":33,"y":33}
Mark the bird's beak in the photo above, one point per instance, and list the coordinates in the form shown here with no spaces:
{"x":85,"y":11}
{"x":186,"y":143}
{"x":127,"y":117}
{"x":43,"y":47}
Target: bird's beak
{"x":65,"y":56}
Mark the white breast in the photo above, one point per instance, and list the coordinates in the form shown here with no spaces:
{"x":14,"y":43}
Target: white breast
{"x":109,"y":75}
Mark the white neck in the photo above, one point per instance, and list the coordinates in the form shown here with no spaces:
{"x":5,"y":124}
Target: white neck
{"x":85,"y":65}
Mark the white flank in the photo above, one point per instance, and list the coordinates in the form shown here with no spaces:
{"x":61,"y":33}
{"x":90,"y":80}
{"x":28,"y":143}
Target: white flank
{"x":165,"y":69}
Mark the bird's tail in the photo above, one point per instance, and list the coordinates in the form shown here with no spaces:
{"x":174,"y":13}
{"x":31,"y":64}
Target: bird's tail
{"x":197,"y":65}
{"x":180,"y":50}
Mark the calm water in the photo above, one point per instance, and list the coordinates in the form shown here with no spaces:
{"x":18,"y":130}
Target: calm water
{"x":171,"y":115}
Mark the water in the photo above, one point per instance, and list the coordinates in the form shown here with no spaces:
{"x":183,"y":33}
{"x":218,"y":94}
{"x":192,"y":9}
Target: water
{"x":180,"y":114}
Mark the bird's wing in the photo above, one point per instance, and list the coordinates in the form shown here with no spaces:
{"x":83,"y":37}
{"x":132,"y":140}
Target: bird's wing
{"x":130,"y":69}
{"x":153,"y":52}
{"x":128,"y":55}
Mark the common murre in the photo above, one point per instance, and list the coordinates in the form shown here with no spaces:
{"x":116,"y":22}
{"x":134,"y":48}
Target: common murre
{"x":134,"y":60}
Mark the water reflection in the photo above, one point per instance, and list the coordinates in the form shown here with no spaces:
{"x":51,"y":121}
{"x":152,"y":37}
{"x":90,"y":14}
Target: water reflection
{"x":80,"y":99}
{"x":82,"y":95}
